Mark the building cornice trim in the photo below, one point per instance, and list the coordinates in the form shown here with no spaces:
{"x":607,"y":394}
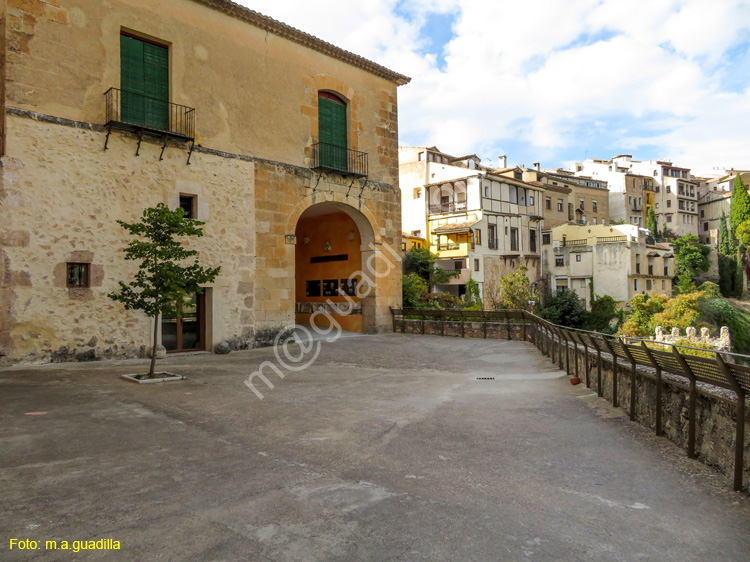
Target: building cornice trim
{"x":300,"y":37}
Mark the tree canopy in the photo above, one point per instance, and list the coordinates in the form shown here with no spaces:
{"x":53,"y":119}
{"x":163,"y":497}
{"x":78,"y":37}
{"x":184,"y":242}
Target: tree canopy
{"x":690,"y":255}
{"x":515,"y":290}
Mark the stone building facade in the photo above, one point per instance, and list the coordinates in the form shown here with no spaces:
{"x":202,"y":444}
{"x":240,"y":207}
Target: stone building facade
{"x":236,"y":140}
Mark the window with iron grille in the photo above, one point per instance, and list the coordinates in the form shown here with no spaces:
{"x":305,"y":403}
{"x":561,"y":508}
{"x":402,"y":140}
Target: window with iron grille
{"x":78,"y":275}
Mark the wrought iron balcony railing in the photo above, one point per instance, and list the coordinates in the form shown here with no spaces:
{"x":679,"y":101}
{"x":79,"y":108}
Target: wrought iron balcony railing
{"x":492,"y":244}
{"x":136,"y":112}
{"x":340,"y":160}
{"x":447,"y":208}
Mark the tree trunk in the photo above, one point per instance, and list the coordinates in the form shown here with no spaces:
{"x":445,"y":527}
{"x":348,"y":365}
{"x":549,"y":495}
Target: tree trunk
{"x":153,"y":349}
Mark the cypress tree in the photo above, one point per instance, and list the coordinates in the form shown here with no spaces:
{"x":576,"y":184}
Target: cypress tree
{"x":726,"y":248}
{"x":739,"y":211}
{"x":727,"y":254}
{"x":651,"y":222}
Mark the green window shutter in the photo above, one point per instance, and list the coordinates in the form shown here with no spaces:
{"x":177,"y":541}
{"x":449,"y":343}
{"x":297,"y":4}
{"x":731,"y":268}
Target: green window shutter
{"x":144,"y":81}
{"x":332,"y":133}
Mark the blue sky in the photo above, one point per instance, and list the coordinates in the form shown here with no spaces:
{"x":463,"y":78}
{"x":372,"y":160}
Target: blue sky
{"x":556,"y":82}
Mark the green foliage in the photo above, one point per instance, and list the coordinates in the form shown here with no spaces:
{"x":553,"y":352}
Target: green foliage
{"x":710,"y":290}
{"x":685,"y":284}
{"x":739,"y":278}
{"x":413,"y":290}
{"x":721,"y":312}
{"x":422,"y":262}
{"x":163,"y":282}
{"x":726,"y":244}
{"x":743,"y":234}
{"x":565,"y":309}
{"x":651,"y":222}
{"x":739,"y":210}
{"x":680,"y":312}
{"x":472,"y":297}
{"x":441,"y":301}
{"x":730,"y":279}
{"x":690,"y":255}
{"x":603,"y":311}
{"x":640,"y":321}
{"x":516,"y":291}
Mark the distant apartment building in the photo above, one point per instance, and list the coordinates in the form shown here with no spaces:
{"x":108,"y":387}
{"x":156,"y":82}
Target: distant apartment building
{"x":621,"y":261}
{"x":725,"y":182}
{"x":479,"y":223}
{"x":588,"y":201}
{"x":675,"y":191}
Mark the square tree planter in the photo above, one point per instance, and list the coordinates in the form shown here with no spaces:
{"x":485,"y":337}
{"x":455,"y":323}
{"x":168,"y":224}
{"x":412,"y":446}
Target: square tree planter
{"x":160,"y":377}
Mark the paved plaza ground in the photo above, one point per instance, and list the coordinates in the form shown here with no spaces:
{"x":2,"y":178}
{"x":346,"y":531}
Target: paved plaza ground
{"x":386,"y":448}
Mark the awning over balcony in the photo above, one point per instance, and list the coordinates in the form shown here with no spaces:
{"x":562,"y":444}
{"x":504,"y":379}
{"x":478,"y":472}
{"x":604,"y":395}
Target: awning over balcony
{"x":454,"y":227}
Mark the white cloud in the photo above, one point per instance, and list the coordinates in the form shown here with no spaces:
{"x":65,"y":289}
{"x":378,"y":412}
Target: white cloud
{"x":545,"y":74}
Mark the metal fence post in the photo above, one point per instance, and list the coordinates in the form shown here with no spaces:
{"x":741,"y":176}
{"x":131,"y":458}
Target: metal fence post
{"x":739,"y":434}
{"x":691,"y":402}
{"x":632,"y":379}
{"x":615,"y":401}
{"x":650,"y":356}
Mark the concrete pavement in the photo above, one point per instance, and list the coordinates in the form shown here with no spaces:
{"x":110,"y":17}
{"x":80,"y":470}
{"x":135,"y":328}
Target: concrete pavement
{"x":391,"y":447}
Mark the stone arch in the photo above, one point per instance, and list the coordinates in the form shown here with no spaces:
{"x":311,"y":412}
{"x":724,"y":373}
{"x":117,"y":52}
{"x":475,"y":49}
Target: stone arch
{"x":363,"y":256}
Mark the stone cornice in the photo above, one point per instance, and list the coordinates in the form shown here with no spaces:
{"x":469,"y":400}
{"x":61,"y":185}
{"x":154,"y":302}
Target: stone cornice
{"x":292,"y":34}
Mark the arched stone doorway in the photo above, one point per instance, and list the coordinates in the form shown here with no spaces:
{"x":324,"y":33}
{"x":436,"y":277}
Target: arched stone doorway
{"x":334,"y":242}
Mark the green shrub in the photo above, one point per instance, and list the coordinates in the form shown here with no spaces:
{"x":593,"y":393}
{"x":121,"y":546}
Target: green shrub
{"x":413,"y":289}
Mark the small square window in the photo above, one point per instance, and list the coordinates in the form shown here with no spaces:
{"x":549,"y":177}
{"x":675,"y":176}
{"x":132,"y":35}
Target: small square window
{"x":78,"y":275}
{"x":546,"y":238}
{"x":559,"y":261}
{"x":458,"y":265}
{"x":187,"y":204}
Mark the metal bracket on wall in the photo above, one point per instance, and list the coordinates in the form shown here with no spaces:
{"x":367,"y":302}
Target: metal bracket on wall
{"x":106,"y":141}
{"x":161,"y":155}
{"x":350,"y":187}
{"x":315,"y":187}
{"x":190,"y":152}
{"x":361,"y":191}
{"x":140,"y":138}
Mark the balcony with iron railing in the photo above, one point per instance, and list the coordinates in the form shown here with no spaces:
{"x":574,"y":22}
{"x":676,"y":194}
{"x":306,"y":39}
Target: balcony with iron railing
{"x":340,"y":160}
{"x":138,"y":113}
{"x":451,"y":207}
{"x":492,"y":244}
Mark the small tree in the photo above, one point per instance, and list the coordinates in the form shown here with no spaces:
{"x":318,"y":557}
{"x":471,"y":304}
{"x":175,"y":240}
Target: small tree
{"x":472,"y":297}
{"x":413,"y":289}
{"x":566,"y":309}
{"x":515,"y":290}
{"x":422,"y":262}
{"x":651,"y":222}
{"x":162,"y":282}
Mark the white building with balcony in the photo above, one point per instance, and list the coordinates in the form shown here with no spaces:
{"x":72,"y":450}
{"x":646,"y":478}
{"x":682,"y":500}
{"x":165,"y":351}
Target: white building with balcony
{"x":478,"y":222}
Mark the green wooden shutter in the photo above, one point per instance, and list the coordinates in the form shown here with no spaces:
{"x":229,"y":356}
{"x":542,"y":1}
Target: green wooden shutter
{"x":332,"y":133}
{"x":144,"y":81}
